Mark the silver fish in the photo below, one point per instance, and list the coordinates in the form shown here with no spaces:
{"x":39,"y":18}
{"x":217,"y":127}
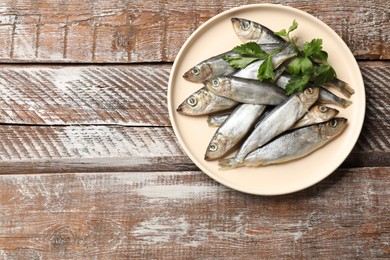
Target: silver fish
{"x":204,"y":102}
{"x":233,"y":130}
{"x":280,"y":119}
{"x":213,"y":67}
{"x":283,"y":80}
{"x":296,"y":144}
{"x":251,"y":71}
{"x":317,"y":114}
{"x":325,"y":97}
{"x":247,"y":90}
{"x":250,"y":31}
{"x":341,"y":86}
{"x":216,"y":120}
{"x":216,"y":66}
{"x":271,"y":47}
{"x":278,"y":73}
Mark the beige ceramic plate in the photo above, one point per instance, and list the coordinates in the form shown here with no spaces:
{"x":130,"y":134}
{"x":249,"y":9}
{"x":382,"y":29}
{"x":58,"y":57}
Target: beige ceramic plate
{"x":217,"y":36}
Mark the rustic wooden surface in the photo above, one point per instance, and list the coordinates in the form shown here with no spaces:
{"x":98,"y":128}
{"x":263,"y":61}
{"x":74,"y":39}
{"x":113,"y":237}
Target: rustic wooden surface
{"x":90,"y":166}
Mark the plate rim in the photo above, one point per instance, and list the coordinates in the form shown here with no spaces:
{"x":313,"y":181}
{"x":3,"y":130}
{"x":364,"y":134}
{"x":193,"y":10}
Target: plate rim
{"x":171,"y":110}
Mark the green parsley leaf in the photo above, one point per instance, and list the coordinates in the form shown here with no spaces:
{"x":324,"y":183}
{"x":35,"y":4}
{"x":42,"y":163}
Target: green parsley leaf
{"x":320,"y":57}
{"x":304,"y":68}
{"x":282,"y":33}
{"x":297,"y":83}
{"x":310,"y":64}
{"x":323,"y":74}
{"x":293,"y":26}
{"x":239,"y":62}
{"x":266,"y":70}
{"x":285,"y":33}
{"x":300,"y":65}
{"x":313,"y":47}
{"x":250,"y":49}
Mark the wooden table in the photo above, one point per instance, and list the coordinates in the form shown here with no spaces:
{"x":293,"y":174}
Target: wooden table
{"x":90,"y":166}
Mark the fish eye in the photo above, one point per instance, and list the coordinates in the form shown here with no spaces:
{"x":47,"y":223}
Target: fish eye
{"x":245,"y":25}
{"x":191,"y":101}
{"x":215,"y":82}
{"x":213,"y":147}
{"x":333,"y":123}
{"x":195,"y":71}
{"x":309,"y":91}
{"x":323,"y":109}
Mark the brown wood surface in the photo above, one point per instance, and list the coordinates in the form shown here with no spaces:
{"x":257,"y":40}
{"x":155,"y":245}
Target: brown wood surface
{"x":155,"y":215}
{"x":79,"y":114}
{"x":84,"y":95}
{"x":153,"y":31}
{"x":90,"y":166}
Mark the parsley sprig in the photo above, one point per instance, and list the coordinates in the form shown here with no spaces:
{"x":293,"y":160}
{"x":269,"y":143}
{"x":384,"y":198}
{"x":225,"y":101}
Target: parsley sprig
{"x":251,"y":52}
{"x":309,"y":67}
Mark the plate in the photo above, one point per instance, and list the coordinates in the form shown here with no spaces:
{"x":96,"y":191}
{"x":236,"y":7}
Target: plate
{"x":217,"y":36}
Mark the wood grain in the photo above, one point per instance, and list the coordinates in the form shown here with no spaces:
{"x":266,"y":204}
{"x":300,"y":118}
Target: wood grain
{"x":187,"y":215}
{"x":128,"y":95}
{"x":377,"y":106}
{"x":154,"y":31}
{"x":115,"y":95}
{"x":375,"y":136}
{"x":100,"y":148}
{"x":90,"y":166}
{"x":115,"y":118}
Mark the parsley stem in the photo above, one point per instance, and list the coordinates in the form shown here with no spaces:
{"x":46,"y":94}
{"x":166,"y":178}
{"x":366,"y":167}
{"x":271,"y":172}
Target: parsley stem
{"x":291,"y":40}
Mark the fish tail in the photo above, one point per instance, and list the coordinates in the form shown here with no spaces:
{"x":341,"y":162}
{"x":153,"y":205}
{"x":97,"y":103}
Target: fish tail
{"x":347,"y":89}
{"x":342,"y":86}
{"x":346,"y":103}
{"x":229,"y":163}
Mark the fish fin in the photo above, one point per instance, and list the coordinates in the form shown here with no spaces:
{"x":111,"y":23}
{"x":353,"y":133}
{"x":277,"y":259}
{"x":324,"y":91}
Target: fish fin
{"x":229,"y":163}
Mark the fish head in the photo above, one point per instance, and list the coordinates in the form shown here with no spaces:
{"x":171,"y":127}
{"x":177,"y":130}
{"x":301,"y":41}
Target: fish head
{"x":333,"y":127}
{"x":309,"y":96}
{"x":218,"y":146}
{"x":245,"y":29}
{"x":324,"y":112}
{"x":198,"y":73}
{"x":194,"y":104}
{"x":219,"y":86}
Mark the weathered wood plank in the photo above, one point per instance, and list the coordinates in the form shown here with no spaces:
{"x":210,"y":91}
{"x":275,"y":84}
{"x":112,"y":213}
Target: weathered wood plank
{"x":75,"y":95}
{"x":88,"y":134}
{"x":127,"y":95}
{"x":375,"y":136}
{"x":139,"y":31}
{"x":26,"y":149}
{"x":376,"y":78}
{"x":187,"y":215}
